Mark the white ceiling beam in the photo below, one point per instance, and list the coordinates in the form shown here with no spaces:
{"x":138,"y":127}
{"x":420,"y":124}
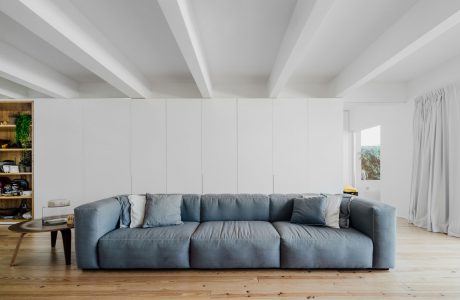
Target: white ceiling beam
{"x":12,"y":90}
{"x":27,"y":71}
{"x":63,"y":26}
{"x":420,"y":25}
{"x":305,"y":23}
{"x":181,"y":23}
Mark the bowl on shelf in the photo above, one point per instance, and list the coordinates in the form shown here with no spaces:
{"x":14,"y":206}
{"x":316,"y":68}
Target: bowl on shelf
{"x":5,"y":212}
{"x":26,"y":193}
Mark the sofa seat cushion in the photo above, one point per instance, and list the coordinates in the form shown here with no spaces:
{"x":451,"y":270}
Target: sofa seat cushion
{"x":304,"y":246}
{"x":235,"y":244}
{"x":159,"y":247}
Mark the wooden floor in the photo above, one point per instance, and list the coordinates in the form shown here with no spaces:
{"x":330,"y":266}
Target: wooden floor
{"x":428,"y":266}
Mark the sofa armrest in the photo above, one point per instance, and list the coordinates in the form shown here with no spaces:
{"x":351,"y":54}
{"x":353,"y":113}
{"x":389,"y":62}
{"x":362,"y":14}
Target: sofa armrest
{"x":378,"y":221}
{"x":92,"y":221}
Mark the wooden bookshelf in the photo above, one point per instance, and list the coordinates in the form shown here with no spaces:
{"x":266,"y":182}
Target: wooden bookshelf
{"x":9,"y":151}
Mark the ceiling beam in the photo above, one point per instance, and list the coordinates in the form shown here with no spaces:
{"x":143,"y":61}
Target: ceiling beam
{"x":12,"y":90}
{"x":305,"y":23}
{"x":63,"y":26}
{"x":420,"y":25}
{"x":27,"y":71}
{"x":181,"y":23}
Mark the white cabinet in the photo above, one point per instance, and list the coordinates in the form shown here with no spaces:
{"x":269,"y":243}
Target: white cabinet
{"x":183,"y":145}
{"x":148,"y":146}
{"x":290,"y":145}
{"x":106,"y":148}
{"x":255,"y":163}
{"x":58,"y":152}
{"x":325,"y":138}
{"x":219,"y":146}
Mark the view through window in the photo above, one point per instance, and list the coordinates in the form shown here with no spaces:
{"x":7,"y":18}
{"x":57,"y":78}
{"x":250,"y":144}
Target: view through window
{"x":370,"y":153}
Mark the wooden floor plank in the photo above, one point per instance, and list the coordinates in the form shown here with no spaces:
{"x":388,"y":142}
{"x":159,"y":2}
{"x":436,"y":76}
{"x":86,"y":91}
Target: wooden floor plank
{"x":428,"y":266}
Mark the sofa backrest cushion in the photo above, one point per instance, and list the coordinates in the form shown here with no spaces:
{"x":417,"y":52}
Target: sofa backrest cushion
{"x":235,"y":207}
{"x":281,"y":206}
{"x":190,"y":209}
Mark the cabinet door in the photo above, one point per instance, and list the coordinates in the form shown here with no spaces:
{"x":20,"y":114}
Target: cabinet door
{"x":107,"y":144}
{"x":255,"y":171}
{"x":183,"y":145}
{"x":290,"y":147}
{"x":325,"y":145}
{"x":58,"y":152}
{"x":148,"y":146}
{"x":219,"y":146}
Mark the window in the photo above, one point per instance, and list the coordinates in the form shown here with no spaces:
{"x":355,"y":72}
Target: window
{"x":370,"y":153}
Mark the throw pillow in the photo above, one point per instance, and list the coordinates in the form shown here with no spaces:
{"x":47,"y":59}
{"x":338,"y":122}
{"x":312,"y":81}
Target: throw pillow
{"x":137,"y":203}
{"x":162,"y":210}
{"x":309,"y":211}
{"x":344,"y":220}
{"x":125,"y":216}
{"x":333,"y":210}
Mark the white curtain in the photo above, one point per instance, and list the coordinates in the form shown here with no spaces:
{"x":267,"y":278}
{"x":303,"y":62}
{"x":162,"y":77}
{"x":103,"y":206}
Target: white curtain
{"x":435,"y":189}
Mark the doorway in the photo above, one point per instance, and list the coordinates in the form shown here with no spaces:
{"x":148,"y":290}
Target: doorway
{"x":367,"y":149}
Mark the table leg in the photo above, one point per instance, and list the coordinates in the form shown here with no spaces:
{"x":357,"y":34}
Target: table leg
{"x":53,"y":238}
{"x":67,"y":242}
{"x":17,"y":249}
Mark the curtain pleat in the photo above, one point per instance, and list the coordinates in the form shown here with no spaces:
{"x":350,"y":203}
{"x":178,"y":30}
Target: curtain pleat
{"x":434,"y":202}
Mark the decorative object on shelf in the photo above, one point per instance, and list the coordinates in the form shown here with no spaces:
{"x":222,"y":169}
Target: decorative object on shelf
{"x":5,"y":165}
{"x":3,"y":182}
{"x":13,"y":118}
{"x":14,"y":169}
{"x":25,"y":165}
{"x":23,"y":207}
{"x":23,"y":137}
{"x":55,"y":215}
{"x":71,"y":220}
{"x":58,"y":203}
{"x":23,"y":184}
{"x":26,"y":193}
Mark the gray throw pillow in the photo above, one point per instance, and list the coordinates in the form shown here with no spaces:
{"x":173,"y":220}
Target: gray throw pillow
{"x":125,"y":216}
{"x":162,"y":210}
{"x":310,"y":211}
{"x":344,"y":218}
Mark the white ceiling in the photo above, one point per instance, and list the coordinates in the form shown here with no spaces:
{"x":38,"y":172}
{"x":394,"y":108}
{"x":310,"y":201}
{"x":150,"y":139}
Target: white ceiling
{"x":212,"y":43}
{"x":139,"y":30}
{"x":443,"y":49}
{"x":25,"y":41}
{"x":347,"y":31}
{"x":240,"y":38}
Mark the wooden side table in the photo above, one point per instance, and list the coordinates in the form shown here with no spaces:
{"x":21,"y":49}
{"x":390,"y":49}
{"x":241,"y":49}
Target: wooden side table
{"x":35,"y":226}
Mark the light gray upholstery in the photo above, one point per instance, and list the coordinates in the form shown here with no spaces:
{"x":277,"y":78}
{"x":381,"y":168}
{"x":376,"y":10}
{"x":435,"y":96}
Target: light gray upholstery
{"x":235,"y":244}
{"x":378,"y":221}
{"x":234,"y":207}
{"x":159,"y":247}
{"x":92,"y":221}
{"x":304,"y":246}
{"x":235,"y":233}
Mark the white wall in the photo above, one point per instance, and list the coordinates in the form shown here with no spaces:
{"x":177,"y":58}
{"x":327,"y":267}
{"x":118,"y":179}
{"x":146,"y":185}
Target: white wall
{"x":396,"y":150}
{"x":446,"y":73}
{"x":89,"y":149}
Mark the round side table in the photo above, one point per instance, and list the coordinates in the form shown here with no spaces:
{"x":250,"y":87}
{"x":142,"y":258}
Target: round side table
{"x":35,"y":226}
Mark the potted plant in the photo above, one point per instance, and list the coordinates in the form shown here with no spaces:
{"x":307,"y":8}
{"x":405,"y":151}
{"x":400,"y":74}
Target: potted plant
{"x":23,"y":139}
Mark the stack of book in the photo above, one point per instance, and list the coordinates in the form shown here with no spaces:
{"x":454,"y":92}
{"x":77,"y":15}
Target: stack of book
{"x":57,"y":212}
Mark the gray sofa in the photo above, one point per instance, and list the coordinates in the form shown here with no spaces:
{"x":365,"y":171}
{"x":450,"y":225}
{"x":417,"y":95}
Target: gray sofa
{"x":235,"y":231}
